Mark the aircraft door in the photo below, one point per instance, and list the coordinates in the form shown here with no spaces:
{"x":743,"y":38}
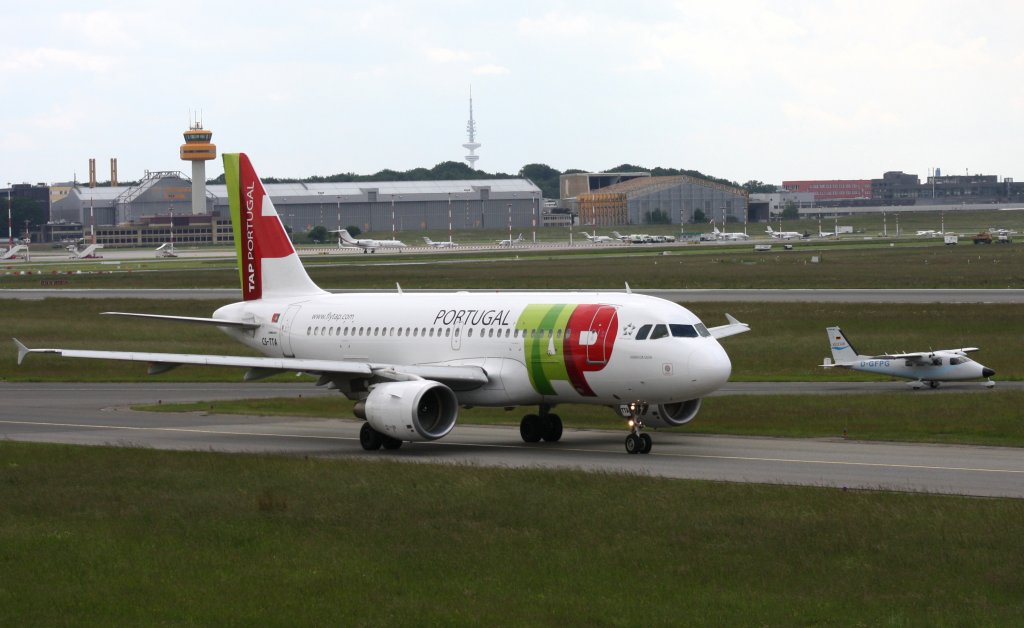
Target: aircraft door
{"x":285,"y":330}
{"x":599,"y":340}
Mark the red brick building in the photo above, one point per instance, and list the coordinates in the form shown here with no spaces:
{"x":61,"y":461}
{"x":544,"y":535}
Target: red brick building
{"x":832,"y":190}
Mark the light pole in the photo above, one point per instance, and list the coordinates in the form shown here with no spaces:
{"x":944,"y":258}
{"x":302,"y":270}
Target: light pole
{"x":394,"y":234}
{"x":510,"y":224}
{"x":10,"y":223}
{"x":449,"y":218}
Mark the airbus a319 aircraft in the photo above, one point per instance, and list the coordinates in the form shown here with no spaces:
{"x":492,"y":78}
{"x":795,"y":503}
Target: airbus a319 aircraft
{"x":410,"y":361}
{"x":924,"y":367}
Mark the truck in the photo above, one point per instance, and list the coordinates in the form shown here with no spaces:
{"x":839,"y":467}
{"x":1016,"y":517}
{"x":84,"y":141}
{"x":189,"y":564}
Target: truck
{"x":983,"y":237}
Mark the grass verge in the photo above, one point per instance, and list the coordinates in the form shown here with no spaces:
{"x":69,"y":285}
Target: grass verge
{"x":94,"y":535}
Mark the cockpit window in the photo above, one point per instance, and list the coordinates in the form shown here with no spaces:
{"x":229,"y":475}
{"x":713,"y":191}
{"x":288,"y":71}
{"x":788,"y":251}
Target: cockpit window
{"x":683,"y":331}
{"x":955,"y":361}
{"x":702,"y":330}
{"x":641,"y":334}
{"x":660,"y":331}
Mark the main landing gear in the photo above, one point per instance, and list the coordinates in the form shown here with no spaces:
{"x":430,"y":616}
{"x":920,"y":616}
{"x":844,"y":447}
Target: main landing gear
{"x":637,"y":442}
{"x":372,"y":440}
{"x":546,"y":426}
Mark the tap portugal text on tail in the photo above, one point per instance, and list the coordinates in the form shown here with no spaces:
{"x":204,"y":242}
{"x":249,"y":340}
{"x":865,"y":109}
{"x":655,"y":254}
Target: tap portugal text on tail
{"x":410,"y":361}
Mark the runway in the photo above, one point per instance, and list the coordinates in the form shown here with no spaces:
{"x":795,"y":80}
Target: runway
{"x":98,"y":414}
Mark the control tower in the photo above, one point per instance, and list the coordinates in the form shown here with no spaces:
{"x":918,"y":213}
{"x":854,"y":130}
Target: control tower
{"x":198,"y":149}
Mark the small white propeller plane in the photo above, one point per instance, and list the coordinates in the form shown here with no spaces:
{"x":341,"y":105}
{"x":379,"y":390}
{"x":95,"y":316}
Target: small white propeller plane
{"x":371,"y":245}
{"x":924,"y":367}
{"x":442,"y":244}
{"x":410,"y":361}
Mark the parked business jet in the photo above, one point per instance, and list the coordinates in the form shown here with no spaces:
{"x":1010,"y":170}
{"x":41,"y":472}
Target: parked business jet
{"x":596,"y":239}
{"x":783,"y":235}
{"x":411,"y":360}
{"x":924,"y":367}
{"x":443,"y":244}
{"x":370,"y":245}
{"x":507,"y":242}
{"x":728,"y":235}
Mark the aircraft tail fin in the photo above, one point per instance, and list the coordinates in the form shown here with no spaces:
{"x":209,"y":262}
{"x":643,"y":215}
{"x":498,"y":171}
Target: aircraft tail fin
{"x":428,"y":241}
{"x":268,"y":265}
{"x":842,"y":350}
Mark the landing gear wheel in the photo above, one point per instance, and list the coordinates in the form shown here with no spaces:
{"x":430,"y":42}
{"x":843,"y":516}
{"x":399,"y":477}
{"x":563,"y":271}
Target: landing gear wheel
{"x":391,"y":443}
{"x":933,"y":384}
{"x":369,"y":438}
{"x":530,"y":428}
{"x":645,"y":443}
{"x":551,"y":428}
{"x":633,"y":444}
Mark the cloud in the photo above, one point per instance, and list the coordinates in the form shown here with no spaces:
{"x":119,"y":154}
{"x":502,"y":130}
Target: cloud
{"x":43,"y":60}
{"x":490,"y":69}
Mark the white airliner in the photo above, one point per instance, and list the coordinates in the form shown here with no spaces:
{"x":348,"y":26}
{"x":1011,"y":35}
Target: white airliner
{"x":507,"y":242}
{"x":924,"y":367}
{"x":345,"y":239}
{"x":783,"y":235}
{"x":596,"y":239}
{"x":411,"y":360}
{"x":443,"y":244}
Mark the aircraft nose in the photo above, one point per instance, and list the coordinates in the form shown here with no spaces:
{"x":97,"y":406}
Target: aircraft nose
{"x":710,"y":367}
{"x":987,"y":372}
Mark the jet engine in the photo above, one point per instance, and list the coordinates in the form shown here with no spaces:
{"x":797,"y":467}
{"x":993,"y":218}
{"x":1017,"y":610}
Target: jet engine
{"x":416,"y":410}
{"x":672,"y":414}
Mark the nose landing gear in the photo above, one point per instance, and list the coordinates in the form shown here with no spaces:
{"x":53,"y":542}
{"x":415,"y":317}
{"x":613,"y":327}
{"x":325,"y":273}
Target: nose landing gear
{"x":637,"y":442}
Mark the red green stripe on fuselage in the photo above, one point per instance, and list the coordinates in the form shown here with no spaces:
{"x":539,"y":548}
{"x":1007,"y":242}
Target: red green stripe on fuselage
{"x":561,"y":342}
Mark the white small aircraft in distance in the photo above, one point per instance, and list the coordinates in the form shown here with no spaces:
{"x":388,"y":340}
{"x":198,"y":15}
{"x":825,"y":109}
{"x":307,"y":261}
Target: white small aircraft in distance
{"x":507,"y":242}
{"x":598,"y":239}
{"x":924,"y":367}
{"x":345,"y":239}
{"x":443,"y":244}
{"x":783,"y":235}
{"x":728,"y":235}
{"x":410,"y":361}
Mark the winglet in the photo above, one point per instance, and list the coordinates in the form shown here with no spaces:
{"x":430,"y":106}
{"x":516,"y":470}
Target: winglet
{"x":734,"y":327}
{"x":22,"y":350}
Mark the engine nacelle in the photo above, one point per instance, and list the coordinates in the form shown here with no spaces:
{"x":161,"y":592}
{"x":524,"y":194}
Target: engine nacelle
{"x":672,"y":414}
{"x":416,"y":410}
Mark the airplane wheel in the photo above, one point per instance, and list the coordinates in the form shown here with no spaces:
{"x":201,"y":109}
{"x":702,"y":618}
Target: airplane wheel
{"x":933,"y":384}
{"x":530,"y":428}
{"x":645,"y":443}
{"x":632,"y":444}
{"x":391,"y":443}
{"x":369,"y":438}
{"x":551,"y":428}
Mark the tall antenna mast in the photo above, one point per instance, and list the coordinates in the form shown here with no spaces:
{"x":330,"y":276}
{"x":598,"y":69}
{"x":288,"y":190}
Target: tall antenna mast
{"x":472,"y":144}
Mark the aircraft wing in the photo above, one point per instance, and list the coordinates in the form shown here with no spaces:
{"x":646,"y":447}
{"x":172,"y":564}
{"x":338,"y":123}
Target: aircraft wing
{"x":259,"y":367}
{"x":734,"y":327}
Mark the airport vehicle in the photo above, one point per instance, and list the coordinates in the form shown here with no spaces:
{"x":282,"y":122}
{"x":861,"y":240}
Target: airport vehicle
{"x":924,"y":367}
{"x":165,"y":250}
{"x":444,"y":244}
{"x":16,"y":251}
{"x":596,"y":239}
{"x":369,"y":245}
{"x":411,"y":360}
{"x":983,"y":237}
{"x":89,"y":252}
{"x":783,"y":235}
{"x":507,"y":242}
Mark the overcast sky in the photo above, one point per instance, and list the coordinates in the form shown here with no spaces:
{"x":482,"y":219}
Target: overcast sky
{"x":739,"y":89}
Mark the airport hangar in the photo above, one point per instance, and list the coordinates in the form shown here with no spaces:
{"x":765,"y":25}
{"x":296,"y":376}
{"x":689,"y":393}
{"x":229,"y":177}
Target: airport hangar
{"x":141,"y":214}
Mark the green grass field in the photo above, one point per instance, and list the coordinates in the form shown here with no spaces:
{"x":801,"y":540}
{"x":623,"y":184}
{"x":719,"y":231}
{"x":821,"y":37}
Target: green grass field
{"x":113,"y":536}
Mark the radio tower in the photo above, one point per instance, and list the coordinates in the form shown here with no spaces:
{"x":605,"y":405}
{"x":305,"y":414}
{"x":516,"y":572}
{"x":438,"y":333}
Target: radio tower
{"x":472,"y":144}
